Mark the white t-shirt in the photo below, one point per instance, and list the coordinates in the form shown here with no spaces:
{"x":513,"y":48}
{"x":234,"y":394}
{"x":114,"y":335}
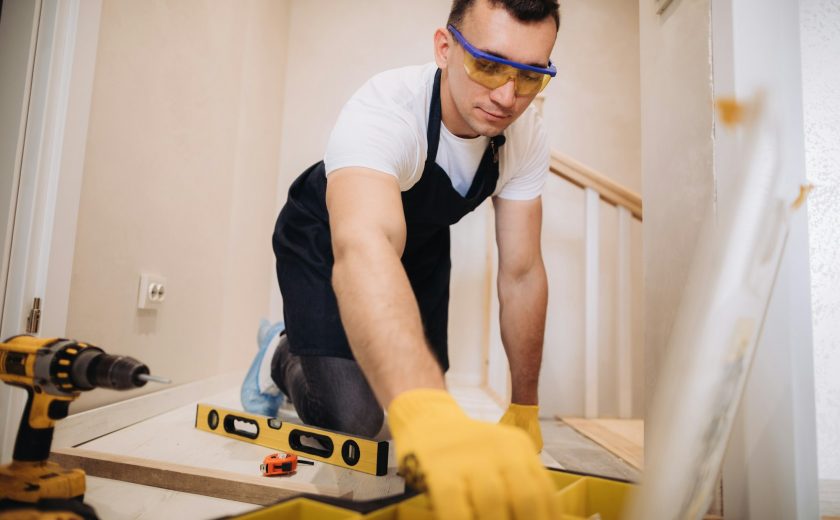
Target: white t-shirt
{"x":383,"y":127}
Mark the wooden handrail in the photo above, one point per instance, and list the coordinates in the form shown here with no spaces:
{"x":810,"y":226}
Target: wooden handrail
{"x":585,"y":177}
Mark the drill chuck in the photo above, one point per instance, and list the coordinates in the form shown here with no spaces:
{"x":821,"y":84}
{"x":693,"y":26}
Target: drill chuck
{"x":94,"y":368}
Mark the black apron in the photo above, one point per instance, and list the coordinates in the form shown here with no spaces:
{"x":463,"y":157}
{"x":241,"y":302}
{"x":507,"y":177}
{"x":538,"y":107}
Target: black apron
{"x":304,"y":255}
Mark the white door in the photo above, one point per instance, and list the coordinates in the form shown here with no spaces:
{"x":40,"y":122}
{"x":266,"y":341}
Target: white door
{"x":44,"y":107}
{"x":18,"y":30}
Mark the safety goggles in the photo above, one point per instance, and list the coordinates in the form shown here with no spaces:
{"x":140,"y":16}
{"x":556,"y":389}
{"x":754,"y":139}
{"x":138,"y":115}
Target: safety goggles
{"x":493,"y":72}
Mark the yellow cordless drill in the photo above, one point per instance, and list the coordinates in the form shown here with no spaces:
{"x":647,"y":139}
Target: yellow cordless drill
{"x":54,"y":372}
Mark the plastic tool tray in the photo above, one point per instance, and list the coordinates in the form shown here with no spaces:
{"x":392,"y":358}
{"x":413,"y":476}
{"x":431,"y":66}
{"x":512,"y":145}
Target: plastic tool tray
{"x":577,"y":497}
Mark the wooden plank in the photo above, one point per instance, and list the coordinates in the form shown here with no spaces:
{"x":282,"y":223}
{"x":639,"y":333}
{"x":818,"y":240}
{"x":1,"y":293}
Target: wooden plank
{"x":623,"y":445}
{"x":585,"y":177}
{"x":577,"y":452}
{"x":592,"y":271}
{"x":829,"y":493}
{"x":178,"y":477}
{"x":624,"y":330}
{"x":633,"y":429}
{"x":172,"y":437}
{"x":81,"y":427}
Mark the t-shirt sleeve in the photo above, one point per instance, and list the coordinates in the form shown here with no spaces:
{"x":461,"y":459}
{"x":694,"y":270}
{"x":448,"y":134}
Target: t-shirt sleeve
{"x":528,"y":179}
{"x":373,"y":133}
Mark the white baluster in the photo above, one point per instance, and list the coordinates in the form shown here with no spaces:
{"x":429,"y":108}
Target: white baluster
{"x":592,"y":262}
{"x":623,"y":326}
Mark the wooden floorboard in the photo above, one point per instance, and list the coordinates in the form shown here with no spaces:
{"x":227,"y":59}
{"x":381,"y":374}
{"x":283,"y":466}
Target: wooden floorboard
{"x":623,"y":438}
{"x":576,"y":452}
{"x":829,"y":491}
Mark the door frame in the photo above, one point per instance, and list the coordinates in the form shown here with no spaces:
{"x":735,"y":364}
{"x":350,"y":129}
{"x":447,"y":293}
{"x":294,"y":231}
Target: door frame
{"x":43,"y":233}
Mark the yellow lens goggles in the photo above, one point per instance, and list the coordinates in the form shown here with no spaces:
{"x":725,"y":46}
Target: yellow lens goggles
{"x":493,"y":72}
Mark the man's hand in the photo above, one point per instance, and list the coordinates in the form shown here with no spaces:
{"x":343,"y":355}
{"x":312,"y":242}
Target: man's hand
{"x":471,"y":469}
{"x":527,"y":418}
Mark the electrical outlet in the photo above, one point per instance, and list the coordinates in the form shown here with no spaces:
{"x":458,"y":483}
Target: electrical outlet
{"x":152,"y":291}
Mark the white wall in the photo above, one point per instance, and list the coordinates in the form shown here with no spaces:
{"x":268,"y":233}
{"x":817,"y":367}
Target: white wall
{"x":820,"y":36}
{"x":770,"y":470}
{"x":179,"y":180}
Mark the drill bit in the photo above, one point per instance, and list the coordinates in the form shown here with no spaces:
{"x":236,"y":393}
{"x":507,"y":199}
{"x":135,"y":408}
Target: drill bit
{"x":155,"y":379}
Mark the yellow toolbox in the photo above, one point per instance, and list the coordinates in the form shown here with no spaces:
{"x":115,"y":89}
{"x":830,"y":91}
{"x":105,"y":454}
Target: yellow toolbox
{"x":301,"y":509}
{"x":577,"y":497}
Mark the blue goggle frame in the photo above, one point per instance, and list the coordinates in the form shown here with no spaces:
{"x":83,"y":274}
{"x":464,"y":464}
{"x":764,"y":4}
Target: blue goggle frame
{"x":551,"y":70}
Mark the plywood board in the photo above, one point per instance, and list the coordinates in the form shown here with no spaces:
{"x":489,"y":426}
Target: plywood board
{"x":622,"y":437}
{"x":166,"y":451}
{"x":117,"y":500}
{"x":171,"y":439}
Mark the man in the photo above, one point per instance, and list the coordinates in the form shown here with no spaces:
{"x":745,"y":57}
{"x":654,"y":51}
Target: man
{"x":362,"y":249}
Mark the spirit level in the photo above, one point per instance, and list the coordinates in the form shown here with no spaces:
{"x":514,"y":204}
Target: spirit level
{"x":356,"y":453}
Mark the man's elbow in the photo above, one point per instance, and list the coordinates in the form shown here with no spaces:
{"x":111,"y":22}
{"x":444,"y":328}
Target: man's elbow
{"x":532,"y":271}
{"x":362,"y":245}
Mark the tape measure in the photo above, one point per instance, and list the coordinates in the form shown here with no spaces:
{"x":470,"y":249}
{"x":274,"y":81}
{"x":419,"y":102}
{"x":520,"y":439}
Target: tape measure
{"x":339,"y":449}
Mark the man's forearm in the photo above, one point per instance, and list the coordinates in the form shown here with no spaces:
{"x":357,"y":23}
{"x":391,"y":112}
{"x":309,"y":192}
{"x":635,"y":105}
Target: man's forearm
{"x":380,"y":316}
{"x":523,"y":300}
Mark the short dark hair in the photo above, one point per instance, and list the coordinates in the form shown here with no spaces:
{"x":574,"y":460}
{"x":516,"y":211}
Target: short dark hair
{"x":524,"y":10}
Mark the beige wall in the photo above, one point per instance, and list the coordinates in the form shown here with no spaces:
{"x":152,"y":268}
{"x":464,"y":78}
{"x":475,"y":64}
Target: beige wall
{"x":677,"y":157}
{"x":592,"y":106}
{"x":179,"y":180}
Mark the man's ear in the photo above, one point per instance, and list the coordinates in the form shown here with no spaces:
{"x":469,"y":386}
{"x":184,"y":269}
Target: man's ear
{"x":442,"y":47}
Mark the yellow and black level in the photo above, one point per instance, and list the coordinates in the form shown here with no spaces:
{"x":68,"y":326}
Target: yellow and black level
{"x":357,"y":453}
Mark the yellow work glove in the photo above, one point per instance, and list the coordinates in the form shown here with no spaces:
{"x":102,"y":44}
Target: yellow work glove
{"x":526,"y":417}
{"x":471,"y":469}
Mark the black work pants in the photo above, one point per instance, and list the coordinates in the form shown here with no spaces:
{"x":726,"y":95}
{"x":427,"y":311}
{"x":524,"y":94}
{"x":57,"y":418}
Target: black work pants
{"x":327,"y":392}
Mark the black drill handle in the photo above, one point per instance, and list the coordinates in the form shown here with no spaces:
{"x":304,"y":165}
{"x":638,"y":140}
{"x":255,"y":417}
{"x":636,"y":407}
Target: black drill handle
{"x":32,"y":444}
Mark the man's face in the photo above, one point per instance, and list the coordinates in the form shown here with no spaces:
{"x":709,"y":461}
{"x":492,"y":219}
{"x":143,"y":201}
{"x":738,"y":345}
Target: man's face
{"x":470,"y":109}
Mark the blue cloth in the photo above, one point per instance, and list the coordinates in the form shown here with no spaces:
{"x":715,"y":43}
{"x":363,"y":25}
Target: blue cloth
{"x":254,"y":401}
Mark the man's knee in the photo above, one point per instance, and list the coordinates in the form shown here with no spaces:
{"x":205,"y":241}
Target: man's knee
{"x":365,"y":422}
{"x":341,"y":397}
